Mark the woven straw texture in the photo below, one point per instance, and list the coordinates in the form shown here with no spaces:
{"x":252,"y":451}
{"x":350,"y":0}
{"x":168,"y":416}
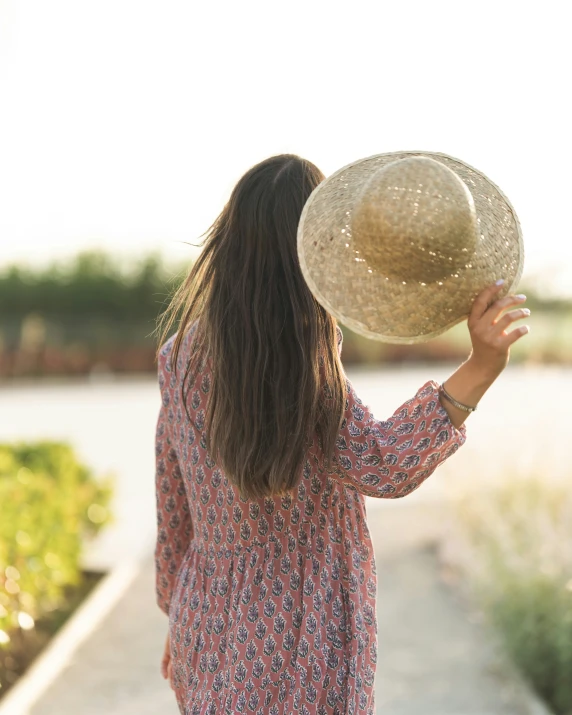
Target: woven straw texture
{"x":401,"y":257}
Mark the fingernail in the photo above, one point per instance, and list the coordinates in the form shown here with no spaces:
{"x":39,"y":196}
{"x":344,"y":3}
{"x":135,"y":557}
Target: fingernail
{"x":520,"y":296}
{"x":499,"y":282}
{"x":526,"y":311}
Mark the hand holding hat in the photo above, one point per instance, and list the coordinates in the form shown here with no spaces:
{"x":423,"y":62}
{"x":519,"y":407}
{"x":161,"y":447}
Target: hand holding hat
{"x":489,"y":336}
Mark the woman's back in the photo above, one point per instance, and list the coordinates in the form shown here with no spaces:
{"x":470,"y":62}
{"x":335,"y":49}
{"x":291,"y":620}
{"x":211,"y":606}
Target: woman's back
{"x":271,"y":601}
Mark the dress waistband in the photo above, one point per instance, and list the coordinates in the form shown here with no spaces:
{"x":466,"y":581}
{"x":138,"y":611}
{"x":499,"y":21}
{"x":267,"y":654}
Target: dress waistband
{"x":287,"y":540}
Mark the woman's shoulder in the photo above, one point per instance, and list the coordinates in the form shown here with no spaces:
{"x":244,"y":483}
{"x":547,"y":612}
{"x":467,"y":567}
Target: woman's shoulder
{"x":166,"y":350}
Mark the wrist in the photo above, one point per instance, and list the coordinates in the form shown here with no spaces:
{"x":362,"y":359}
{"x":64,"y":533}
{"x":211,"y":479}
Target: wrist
{"x":481,"y":375}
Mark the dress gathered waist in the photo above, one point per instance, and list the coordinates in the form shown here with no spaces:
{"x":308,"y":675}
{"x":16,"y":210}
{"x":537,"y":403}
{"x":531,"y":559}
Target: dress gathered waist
{"x":292,"y":536}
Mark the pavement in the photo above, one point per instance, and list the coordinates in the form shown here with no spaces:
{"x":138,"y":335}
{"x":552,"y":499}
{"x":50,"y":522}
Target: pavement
{"x":435,"y":656}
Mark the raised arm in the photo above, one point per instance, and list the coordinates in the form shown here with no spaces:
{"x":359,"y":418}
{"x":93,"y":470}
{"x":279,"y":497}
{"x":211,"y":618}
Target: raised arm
{"x":174,"y":526}
{"x":391,"y":458}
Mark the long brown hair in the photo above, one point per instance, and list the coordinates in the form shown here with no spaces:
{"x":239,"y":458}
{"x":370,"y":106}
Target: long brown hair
{"x":277,"y":378}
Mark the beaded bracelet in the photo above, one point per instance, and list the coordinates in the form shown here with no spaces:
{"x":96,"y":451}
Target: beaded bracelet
{"x":454,"y":402}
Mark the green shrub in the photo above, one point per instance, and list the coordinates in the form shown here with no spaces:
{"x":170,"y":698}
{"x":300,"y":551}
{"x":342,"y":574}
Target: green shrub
{"x":93,"y":283}
{"x":515,"y":547}
{"x":49,"y":503}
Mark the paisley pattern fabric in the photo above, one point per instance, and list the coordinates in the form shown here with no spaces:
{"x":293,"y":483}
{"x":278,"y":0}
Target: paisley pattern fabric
{"x":271,"y":602}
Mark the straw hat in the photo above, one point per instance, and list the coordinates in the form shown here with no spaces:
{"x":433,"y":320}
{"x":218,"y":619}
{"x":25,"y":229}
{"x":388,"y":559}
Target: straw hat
{"x":397,"y":246}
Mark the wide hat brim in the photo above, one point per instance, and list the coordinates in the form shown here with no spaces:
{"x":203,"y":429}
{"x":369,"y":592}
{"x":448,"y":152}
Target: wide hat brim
{"x":380,"y":306}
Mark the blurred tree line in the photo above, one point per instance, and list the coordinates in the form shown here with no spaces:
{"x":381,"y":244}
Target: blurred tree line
{"x":92,"y":284}
{"x":90,"y":314}
{"x":95,"y":314}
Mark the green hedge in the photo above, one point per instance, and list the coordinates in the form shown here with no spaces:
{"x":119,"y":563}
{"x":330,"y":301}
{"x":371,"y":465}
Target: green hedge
{"x":93,"y":283}
{"x":514,"y":546}
{"x":50,"y":502}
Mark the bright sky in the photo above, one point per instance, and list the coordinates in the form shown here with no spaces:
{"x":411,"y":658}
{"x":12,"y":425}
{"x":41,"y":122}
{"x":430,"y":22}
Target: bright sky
{"x":125,"y":123}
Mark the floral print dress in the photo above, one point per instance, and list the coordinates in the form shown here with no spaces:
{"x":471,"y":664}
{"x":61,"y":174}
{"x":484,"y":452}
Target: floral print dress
{"x":271,"y":602}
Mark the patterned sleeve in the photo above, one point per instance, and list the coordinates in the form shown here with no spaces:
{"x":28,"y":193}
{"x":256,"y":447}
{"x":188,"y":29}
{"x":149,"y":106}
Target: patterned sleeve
{"x":391,"y":458}
{"x":174,"y":527}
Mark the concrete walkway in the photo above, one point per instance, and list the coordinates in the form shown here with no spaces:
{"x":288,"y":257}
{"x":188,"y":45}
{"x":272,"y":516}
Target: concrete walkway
{"x":435,"y":656}
{"x":433,"y":659}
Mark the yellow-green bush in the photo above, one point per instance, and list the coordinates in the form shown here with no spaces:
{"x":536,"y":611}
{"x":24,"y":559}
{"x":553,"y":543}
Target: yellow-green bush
{"x":49,"y":502}
{"x":514,"y":545}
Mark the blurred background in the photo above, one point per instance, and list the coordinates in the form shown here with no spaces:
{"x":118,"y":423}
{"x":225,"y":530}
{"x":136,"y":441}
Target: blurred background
{"x":123,"y":128}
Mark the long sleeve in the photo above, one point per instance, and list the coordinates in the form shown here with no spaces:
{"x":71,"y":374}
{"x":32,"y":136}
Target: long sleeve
{"x":174,"y":526}
{"x":392,"y":458}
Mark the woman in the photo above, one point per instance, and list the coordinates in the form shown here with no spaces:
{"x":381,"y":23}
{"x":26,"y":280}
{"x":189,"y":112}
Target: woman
{"x":264,"y":562}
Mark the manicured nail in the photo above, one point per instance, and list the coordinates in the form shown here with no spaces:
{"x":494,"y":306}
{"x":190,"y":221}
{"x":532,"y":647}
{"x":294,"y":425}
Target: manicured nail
{"x":520,"y":296}
{"x":525,"y":329}
{"x":526,"y":311}
{"x":499,"y":282}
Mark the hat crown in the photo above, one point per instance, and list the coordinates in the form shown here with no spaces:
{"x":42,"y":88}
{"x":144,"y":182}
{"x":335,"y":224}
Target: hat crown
{"x":415,"y":220}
